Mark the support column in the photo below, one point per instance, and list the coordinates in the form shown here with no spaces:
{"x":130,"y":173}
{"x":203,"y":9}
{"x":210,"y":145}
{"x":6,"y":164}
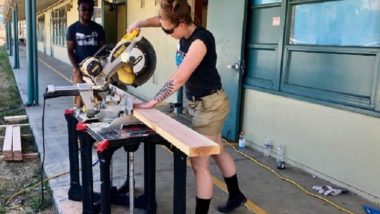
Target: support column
{"x":16,"y":57}
{"x":35,"y":53}
{"x":10,"y":37}
{"x":29,"y":51}
{"x":7,"y":40}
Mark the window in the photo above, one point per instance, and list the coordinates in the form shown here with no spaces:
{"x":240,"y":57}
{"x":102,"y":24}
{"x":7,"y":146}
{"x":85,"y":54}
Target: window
{"x":325,"y":51}
{"x":59,"y":25}
{"x":41,"y":29}
{"x":341,"y":23}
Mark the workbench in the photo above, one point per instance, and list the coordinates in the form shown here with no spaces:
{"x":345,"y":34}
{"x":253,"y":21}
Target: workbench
{"x":150,"y":134}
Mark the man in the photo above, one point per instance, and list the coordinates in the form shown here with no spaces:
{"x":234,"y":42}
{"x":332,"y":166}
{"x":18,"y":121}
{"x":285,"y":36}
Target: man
{"x":83,"y":39}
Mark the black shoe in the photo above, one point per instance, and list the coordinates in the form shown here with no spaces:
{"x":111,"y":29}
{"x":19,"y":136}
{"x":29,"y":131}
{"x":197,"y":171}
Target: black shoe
{"x":232,"y":203}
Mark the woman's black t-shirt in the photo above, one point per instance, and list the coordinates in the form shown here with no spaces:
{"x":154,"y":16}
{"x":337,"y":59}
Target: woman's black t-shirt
{"x":205,"y":78}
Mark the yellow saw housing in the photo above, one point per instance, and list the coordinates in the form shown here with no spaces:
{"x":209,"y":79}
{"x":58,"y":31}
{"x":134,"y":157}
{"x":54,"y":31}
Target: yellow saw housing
{"x":125,"y":74}
{"x":132,"y":60}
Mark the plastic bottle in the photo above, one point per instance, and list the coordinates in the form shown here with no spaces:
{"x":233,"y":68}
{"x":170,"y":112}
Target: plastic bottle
{"x":241,"y":140}
{"x":267,"y":147}
{"x":280,"y":157}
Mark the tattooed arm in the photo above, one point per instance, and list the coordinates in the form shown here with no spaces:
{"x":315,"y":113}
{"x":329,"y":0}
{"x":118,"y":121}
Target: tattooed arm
{"x":191,"y":61}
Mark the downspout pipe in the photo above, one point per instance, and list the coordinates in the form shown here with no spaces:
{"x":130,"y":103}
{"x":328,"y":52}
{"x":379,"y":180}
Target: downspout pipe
{"x":29,"y":52}
{"x":16,"y":57}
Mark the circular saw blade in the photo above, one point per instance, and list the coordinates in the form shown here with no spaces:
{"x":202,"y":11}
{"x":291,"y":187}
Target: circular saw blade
{"x":143,"y":61}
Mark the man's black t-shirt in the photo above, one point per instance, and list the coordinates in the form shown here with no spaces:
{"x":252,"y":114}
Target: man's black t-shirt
{"x":205,"y":77}
{"x":86,"y":39}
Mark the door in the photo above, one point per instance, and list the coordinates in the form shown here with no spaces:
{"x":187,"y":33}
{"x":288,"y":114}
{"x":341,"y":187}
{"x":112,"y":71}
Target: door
{"x":226,"y":20}
{"x":110,"y":18}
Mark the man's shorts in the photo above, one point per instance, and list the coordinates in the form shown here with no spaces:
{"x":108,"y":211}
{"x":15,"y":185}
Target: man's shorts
{"x":209,"y":113}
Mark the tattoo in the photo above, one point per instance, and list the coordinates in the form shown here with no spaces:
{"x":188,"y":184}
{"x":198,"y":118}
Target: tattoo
{"x":165,"y":91}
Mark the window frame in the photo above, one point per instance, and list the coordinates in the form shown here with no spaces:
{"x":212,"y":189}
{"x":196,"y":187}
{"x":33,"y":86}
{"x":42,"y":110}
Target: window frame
{"x":41,"y":28}
{"x":334,"y":100}
{"x":59,"y":26}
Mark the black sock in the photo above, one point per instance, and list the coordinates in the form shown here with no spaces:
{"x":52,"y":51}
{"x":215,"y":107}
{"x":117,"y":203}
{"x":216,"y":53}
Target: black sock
{"x":202,"y":205}
{"x":232,"y":186}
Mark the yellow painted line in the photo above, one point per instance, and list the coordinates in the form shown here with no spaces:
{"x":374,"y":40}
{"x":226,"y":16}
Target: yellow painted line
{"x":55,"y":70}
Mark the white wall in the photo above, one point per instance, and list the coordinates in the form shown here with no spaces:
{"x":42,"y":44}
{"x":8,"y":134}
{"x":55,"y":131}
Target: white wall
{"x":47,"y":33}
{"x":338,"y":145}
{"x":164,"y":45}
{"x":40,"y":46}
{"x":59,"y":52}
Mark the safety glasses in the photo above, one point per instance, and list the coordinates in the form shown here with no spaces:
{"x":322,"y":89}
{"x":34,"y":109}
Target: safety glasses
{"x":171,"y":30}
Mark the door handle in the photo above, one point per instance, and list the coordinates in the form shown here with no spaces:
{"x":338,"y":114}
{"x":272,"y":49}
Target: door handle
{"x":235,"y":66}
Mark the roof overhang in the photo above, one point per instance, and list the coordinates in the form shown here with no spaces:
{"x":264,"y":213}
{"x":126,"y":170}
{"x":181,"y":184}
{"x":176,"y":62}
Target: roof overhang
{"x":41,"y":5}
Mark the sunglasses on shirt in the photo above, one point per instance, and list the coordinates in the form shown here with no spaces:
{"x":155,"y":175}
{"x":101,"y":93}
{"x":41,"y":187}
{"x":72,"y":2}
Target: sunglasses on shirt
{"x":171,"y":30}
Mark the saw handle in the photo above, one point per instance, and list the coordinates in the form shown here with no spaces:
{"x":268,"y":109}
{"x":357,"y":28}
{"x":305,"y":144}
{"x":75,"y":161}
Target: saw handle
{"x":131,"y":36}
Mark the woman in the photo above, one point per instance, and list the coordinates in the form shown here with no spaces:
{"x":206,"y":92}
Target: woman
{"x":208,"y":104}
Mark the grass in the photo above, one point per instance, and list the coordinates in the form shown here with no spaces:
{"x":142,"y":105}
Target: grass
{"x":18,"y":176}
{"x":10,"y":102}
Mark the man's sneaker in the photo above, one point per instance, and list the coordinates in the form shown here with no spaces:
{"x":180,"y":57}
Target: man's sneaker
{"x":232,"y":203}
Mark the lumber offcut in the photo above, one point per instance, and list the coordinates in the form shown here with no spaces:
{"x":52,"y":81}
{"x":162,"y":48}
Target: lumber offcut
{"x":184,"y":138}
{"x":15,"y":119}
{"x":7,"y":146}
{"x":17,"y":152}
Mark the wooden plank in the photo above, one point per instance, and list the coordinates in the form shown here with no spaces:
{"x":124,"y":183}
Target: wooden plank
{"x":184,"y":138}
{"x":31,"y":156}
{"x":16,"y":140}
{"x":7,"y":145}
{"x":16,"y":118}
{"x":21,"y":125}
{"x":26,"y":156}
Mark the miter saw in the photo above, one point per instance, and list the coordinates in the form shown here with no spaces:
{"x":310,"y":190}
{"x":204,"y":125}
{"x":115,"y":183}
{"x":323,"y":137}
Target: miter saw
{"x":131,"y":62}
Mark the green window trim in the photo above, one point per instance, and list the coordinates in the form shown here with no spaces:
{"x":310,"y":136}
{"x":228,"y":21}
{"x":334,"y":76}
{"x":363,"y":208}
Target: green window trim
{"x":346,"y":77}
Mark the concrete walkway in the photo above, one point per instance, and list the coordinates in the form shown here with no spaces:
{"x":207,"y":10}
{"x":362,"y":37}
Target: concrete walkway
{"x":267,"y":193}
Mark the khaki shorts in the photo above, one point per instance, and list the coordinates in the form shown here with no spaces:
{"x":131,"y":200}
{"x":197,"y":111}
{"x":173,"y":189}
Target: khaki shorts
{"x":209,"y":113}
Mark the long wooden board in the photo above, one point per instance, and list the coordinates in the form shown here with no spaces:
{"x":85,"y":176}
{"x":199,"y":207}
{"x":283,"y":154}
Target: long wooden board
{"x":7,"y":146}
{"x":17,"y":152}
{"x":184,"y":138}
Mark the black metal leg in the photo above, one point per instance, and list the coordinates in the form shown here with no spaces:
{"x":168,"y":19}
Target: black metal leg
{"x":179,"y":195}
{"x":150,"y":178}
{"x":147,"y":200}
{"x":75,"y":190}
{"x":105,"y":162}
{"x":86,"y":160}
{"x":123,"y":189}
